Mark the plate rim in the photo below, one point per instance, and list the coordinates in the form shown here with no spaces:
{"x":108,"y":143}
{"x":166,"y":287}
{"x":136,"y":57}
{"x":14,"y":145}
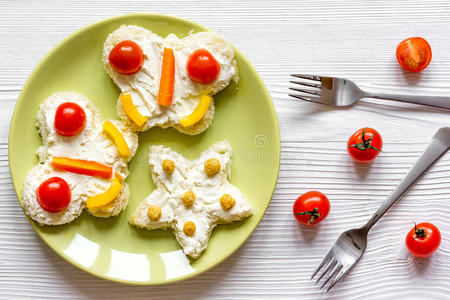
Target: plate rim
{"x":14,"y":117}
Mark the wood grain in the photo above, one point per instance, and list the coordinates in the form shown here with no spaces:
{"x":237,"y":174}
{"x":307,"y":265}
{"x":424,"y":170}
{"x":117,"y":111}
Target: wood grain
{"x":354,"y":39}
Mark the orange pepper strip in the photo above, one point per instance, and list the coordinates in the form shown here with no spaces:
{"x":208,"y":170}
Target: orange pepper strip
{"x":80,"y":166}
{"x":166,"y":84}
{"x":118,"y":176}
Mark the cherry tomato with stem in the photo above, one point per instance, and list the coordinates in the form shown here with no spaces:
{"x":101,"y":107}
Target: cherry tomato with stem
{"x":414,"y":54}
{"x":365,"y":144}
{"x":311,"y":208}
{"x":126,"y":57}
{"x":423,"y":239}
{"x":53,"y":195}
{"x":70,"y":119}
{"x":202,"y":67}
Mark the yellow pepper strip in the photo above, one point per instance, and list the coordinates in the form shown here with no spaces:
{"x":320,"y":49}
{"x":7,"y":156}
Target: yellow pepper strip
{"x":104,"y":199}
{"x":131,"y":110}
{"x":117,"y":137}
{"x":198,"y":113}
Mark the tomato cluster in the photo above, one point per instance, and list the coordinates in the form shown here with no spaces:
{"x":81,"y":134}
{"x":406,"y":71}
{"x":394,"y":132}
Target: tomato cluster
{"x":363,"y":146}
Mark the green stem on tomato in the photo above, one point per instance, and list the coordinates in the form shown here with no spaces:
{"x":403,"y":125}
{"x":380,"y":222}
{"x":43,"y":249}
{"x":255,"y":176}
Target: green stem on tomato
{"x":366,"y":144}
{"x":419,"y":231}
{"x":314,"y":214}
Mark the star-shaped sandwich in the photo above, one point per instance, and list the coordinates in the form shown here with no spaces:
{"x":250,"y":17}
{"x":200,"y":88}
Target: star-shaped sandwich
{"x":191,"y":197}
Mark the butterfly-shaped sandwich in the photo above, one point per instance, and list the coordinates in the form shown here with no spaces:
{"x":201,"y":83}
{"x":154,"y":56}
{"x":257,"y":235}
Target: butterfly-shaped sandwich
{"x":82,"y":164}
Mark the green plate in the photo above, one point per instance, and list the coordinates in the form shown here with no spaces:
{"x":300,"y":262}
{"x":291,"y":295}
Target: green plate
{"x":111,"y":248}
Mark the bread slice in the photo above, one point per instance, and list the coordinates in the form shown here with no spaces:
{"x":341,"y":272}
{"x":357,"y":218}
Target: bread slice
{"x":90,"y":144}
{"x":206,"y":211}
{"x":144,"y":85}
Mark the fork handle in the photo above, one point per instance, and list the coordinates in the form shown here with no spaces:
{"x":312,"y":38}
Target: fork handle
{"x":435,"y":101}
{"x":438,"y":146}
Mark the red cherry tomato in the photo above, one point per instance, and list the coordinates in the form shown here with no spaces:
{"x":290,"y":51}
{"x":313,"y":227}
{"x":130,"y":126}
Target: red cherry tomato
{"x":69,"y":119}
{"x":364,"y":145}
{"x":53,"y":195}
{"x":414,"y":54}
{"x":423,"y":239}
{"x":311,"y":208}
{"x":126,"y":57}
{"x":202,"y":67}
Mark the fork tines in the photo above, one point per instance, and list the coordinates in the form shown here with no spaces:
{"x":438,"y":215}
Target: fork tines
{"x":332,"y":267}
{"x":310,"y":77}
{"x":312,"y":92}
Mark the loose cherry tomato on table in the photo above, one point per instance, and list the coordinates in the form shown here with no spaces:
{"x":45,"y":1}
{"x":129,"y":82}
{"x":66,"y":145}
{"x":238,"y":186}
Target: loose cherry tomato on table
{"x":70,"y":119}
{"x":202,"y":67}
{"x":364,"y":145}
{"x":311,"y":208}
{"x":53,"y":195}
{"x":126,"y":57}
{"x":423,"y":239}
{"x":414,"y":54}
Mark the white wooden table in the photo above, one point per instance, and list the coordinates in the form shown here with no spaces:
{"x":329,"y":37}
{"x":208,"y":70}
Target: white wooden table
{"x":354,"y":39}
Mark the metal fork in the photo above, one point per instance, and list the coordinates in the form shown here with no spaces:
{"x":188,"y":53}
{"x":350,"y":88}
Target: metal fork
{"x":351,"y":244}
{"x":344,"y":92}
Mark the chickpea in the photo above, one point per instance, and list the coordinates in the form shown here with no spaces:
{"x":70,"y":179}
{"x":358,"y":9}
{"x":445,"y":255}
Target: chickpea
{"x":212,"y":167}
{"x":188,"y":198}
{"x":154,"y":213}
{"x":168,"y":166}
{"x":227,"y":202}
{"x":189,"y":228}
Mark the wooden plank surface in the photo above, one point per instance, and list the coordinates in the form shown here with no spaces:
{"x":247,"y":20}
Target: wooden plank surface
{"x":354,"y":39}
